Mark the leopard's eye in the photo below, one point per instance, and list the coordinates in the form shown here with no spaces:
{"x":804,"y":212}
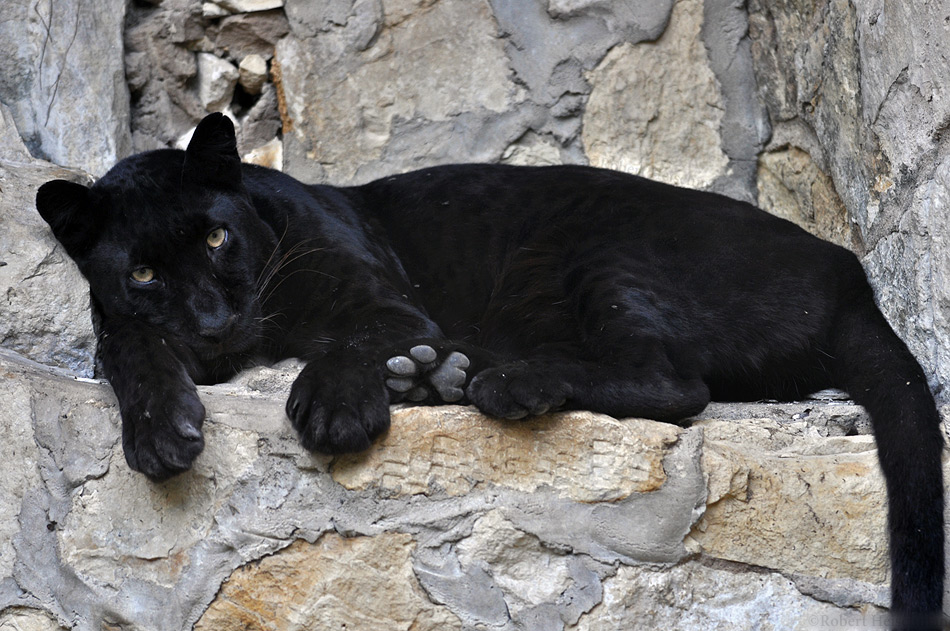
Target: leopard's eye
{"x":143,"y":275}
{"x":217,"y":237}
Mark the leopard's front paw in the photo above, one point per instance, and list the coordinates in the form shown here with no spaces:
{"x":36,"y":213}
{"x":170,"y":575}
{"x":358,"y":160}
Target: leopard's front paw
{"x":161,"y":432}
{"x":337,"y":412}
{"x":516,"y":390}
{"x":422,"y":376}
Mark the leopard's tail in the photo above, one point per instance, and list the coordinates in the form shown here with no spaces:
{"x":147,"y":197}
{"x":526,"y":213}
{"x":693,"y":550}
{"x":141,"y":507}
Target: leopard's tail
{"x":881,"y":374}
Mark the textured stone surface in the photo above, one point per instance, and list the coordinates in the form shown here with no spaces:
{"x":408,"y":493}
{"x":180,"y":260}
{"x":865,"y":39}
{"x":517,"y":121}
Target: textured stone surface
{"x":246,"y":6}
{"x":753,"y":518}
{"x":643,"y":119}
{"x":336,"y":582}
{"x":44,"y":301}
{"x":763,"y":515}
{"x":583,"y":456}
{"x":793,"y":187}
{"x":347,"y":92}
{"x":18,"y":466}
{"x":696,"y":596}
{"x":253,"y":73}
{"x":238,"y":36}
{"x":23,"y":619}
{"x":61,"y":75}
{"x":861,"y":88}
{"x":216,"y":81}
{"x":181,"y":64}
{"x":780,"y":500}
{"x":161,"y":73}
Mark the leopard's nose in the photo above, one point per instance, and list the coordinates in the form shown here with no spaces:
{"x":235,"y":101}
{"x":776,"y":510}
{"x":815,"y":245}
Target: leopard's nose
{"x":217,"y":329}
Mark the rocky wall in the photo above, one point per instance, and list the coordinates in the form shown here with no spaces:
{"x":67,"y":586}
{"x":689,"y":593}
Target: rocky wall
{"x":828,"y":112}
{"x":768,"y":516}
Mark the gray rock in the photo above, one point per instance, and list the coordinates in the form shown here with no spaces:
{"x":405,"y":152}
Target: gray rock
{"x":246,"y":6}
{"x":252,"y":73}
{"x":238,"y":36}
{"x":61,"y":75}
{"x":529,"y":547}
{"x":695,"y":596}
{"x":860,"y":88}
{"x":162,"y":73}
{"x":349,"y":99}
{"x":216,"y":81}
{"x":261,"y":123}
{"x":44,"y":313}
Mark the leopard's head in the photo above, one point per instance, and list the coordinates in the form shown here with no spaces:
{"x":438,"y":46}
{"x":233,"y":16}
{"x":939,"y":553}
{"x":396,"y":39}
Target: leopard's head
{"x":170,"y":239}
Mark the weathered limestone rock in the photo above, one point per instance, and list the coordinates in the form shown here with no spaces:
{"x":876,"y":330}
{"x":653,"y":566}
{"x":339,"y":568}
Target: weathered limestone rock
{"x":252,"y":73}
{"x":18,"y":467}
{"x":336,"y":582}
{"x":714,"y":596}
{"x":532,"y":150}
{"x":270,"y":155}
{"x":44,"y":310}
{"x":771,"y":501}
{"x":161,"y":70}
{"x":237,"y":36}
{"x":583,"y":456}
{"x":793,"y":187}
{"x":62,"y":77}
{"x":860,"y":87}
{"x":95,"y":539}
{"x":787,"y":518}
{"x":216,"y":81}
{"x":761,"y":514}
{"x":530,"y":575}
{"x":643,"y":119}
{"x":912,"y":268}
{"x":349,"y":96}
{"x":259,"y":125}
{"x":248,"y":6}
{"x":24,"y":619}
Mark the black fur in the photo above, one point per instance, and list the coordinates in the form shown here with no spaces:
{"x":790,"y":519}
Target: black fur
{"x":519,"y":290}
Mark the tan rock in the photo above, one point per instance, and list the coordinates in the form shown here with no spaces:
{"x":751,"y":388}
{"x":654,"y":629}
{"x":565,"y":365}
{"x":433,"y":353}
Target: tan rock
{"x":341,"y":107}
{"x":779,"y":500}
{"x":26,"y":619}
{"x":252,"y":73}
{"x":695,"y":596}
{"x":99,"y":541}
{"x":532,"y":150}
{"x":644,"y":119}
{"x":584,"y":456}
{"x":335,"y":583}
{"x":793,"y":187}
{"x":270,"y":155}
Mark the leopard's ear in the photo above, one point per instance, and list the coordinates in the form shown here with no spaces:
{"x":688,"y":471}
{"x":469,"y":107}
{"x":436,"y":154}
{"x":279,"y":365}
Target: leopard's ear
{"x":212,"y":157}
{"x":67,"y":208}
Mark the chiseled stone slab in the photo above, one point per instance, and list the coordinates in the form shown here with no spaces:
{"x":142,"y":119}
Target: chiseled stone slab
{"x":697,"y":596}
{"x":583,"y":456}
{"x":44,"y":313}
{"x":793,"y":502}
{"x":644,"y":119}
{"x":335,"y":583}
{"x":26,"y":619}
